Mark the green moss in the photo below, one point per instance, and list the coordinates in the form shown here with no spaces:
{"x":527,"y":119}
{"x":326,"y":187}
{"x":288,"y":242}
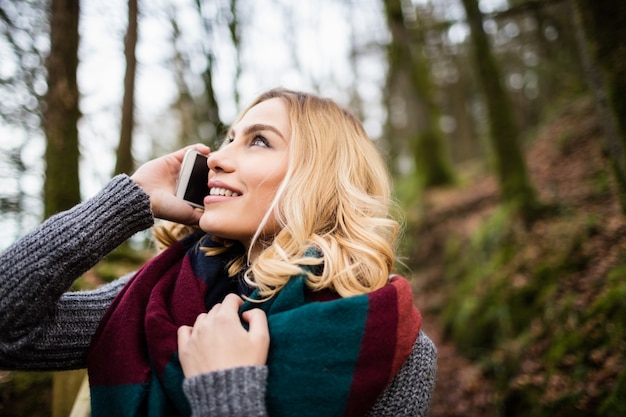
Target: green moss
{"x":480,"y":315}
{"x":515,"y":308}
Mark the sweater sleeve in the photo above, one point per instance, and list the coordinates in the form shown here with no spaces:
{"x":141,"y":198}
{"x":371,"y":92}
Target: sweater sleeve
{"x":233,"y":392}
{"x":41,"y":326}
{"x":410,"y":392}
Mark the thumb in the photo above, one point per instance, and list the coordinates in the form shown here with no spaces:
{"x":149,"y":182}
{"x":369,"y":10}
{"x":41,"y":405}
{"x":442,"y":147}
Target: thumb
{"x":258,"y":327}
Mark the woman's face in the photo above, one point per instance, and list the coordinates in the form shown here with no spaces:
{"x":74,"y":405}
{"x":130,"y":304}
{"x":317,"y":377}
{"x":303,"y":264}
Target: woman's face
{"x":246,"y":172}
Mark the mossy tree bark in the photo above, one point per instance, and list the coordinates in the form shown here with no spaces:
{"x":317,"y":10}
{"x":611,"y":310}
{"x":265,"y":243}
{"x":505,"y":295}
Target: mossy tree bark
{"x":61,"y":112}
{"x":124,"y":162}
{"x":507,"y":153}
{"x":601,"y":29}
{"x":428,"y":143}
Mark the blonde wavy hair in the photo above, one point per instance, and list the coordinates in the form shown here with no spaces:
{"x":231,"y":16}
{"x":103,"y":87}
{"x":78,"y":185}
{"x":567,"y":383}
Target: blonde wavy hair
{"x":335,"y":199}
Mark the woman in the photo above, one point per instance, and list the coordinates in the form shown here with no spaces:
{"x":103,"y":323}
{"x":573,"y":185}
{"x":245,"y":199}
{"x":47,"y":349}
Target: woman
{"x":283,"y":304}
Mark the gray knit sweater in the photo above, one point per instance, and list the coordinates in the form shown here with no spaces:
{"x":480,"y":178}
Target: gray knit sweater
{"x":44,"y":327}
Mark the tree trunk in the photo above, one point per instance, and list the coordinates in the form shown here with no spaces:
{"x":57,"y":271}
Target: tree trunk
{"x":211,"y":113}
{"x":601,"y":30}
{"x":61,"y":112}
{"x":213,"y":110}
{"x":233,"y":29}
{"x":428,"y":144}
{"x":510,"y":167}
{"x":458,"y":100}
{"x":60,"y":121}
{"x":184,"y":104}
{"x":124,"y":158}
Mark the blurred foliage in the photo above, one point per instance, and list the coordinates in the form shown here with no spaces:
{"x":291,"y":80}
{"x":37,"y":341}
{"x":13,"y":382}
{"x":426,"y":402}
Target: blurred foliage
{"x":122,"y":261}
{"x":25,"y":394}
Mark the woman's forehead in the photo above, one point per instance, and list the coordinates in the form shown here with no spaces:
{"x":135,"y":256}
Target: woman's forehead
{"x":272,"y":113}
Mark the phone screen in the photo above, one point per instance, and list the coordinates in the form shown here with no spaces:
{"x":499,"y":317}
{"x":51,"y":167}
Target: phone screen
{"x":197,"y":187}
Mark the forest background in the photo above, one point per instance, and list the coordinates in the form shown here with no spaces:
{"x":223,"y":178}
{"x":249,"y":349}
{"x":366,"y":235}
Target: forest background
{"x":502,"y":123}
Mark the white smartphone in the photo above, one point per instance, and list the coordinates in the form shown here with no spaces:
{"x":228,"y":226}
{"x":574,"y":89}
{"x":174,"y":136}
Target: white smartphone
{"x":193,"y":178}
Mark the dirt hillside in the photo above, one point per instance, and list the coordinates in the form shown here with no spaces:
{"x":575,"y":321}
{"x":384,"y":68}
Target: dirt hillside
{"x":569,"y":169}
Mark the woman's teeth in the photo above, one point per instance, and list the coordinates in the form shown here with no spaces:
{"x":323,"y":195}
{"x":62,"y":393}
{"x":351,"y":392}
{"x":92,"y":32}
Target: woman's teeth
{"x":222,"y":191}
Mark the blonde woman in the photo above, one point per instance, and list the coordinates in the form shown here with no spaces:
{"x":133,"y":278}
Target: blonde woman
{"x":281,"y":302}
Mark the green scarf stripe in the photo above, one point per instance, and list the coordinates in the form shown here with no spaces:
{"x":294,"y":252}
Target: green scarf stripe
{"x":126,"y":398}
{"x":173,"y":384}
{"x":324,"y":378}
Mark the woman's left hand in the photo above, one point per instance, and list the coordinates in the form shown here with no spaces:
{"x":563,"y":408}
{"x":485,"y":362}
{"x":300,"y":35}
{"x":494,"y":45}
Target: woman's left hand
{"x":158,"y":179}
{"x":218,"y":341}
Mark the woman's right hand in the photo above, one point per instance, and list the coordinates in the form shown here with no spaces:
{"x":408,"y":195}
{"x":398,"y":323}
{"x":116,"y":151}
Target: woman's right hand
{"x":158,"y":179}
{"x":219,"y":341}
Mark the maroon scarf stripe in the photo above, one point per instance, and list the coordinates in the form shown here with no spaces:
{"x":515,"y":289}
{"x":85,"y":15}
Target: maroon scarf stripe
{"x":377,"y":353}
{"x":165,"y":315}
{"x":385,"y":348}
{"x":122,"y":367}
{"x":409,"y":323}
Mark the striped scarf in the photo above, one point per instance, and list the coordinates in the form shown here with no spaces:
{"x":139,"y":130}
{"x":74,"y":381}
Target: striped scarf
{"x":329,"y":356}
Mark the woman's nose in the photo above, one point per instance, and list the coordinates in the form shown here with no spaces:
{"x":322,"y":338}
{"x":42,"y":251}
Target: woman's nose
{"x":220,"y":161}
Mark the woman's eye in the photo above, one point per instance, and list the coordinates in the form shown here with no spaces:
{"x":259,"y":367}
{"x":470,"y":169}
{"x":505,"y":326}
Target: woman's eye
{"x":259,"y":141}
{"x":227,"y":140}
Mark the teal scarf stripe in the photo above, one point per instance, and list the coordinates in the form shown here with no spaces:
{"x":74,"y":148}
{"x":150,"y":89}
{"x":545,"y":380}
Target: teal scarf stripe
{"x":126,"y":398}
{"x":323,"y":373}
{"x":172,"y":381}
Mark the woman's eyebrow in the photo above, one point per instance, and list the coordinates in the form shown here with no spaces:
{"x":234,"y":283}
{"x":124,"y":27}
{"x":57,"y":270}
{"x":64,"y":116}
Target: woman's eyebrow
{"x":260,"y":127}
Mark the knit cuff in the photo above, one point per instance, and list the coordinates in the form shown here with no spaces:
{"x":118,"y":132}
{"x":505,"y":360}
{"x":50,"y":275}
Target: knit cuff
{"x":228,"y":393}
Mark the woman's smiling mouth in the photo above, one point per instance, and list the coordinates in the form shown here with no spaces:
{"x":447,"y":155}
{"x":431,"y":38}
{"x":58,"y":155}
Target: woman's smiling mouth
{"x":223,"y":192}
